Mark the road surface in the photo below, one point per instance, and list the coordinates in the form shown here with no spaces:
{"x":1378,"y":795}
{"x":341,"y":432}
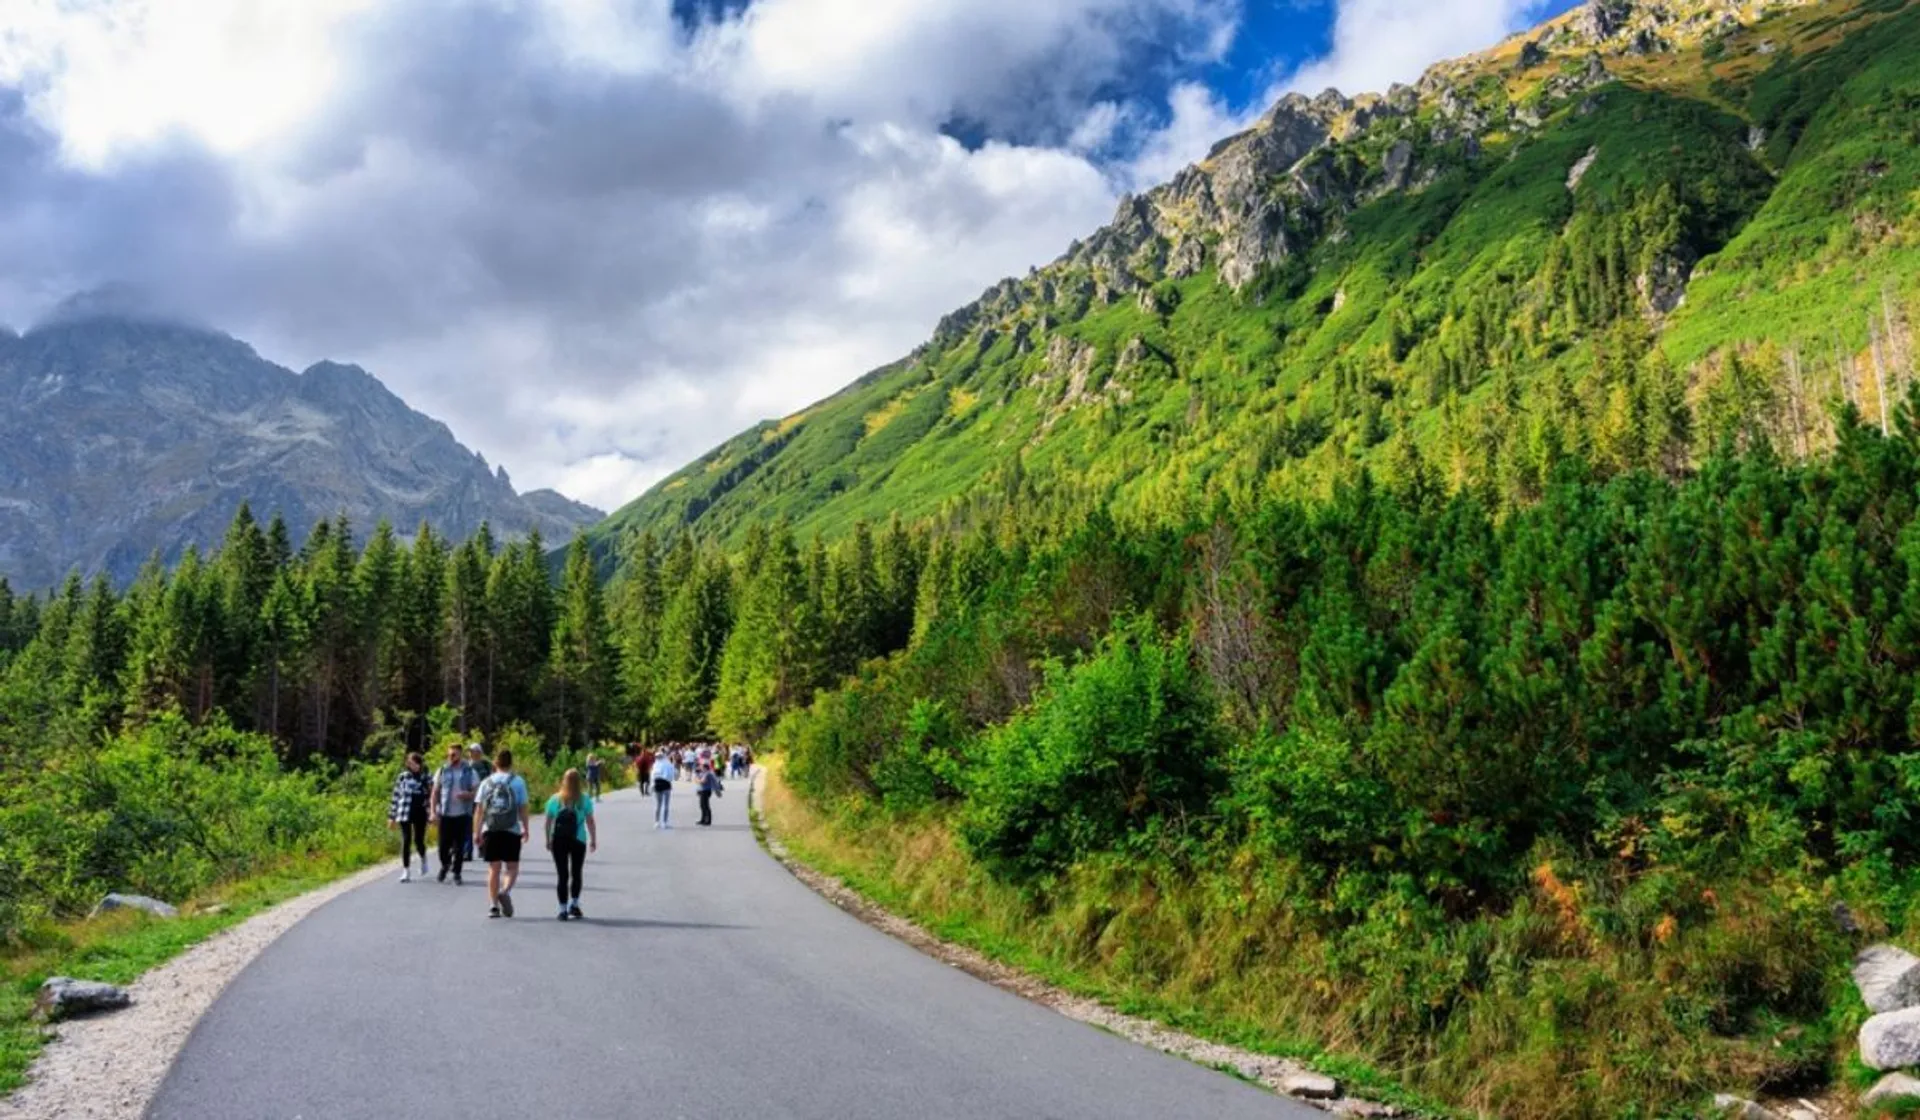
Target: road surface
{"x":706,"y":982}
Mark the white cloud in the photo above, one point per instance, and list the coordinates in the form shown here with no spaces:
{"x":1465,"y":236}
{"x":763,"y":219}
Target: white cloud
{"x":593,"y":242}
{"x":1379,"y":42}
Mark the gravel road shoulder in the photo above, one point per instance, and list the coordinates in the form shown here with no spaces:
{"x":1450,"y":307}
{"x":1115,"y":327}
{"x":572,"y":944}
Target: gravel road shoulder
{"x":109,"y":1067}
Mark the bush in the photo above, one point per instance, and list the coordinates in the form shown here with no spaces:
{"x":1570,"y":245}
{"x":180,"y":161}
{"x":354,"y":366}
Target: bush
{"x":1120,"y":750}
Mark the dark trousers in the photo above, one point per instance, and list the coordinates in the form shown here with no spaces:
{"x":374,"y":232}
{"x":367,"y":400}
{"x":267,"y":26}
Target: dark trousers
{"x":413,"y":837}
{"x":569,"y":859}
{"x":456,"y":838}
{"x":706,"y":806}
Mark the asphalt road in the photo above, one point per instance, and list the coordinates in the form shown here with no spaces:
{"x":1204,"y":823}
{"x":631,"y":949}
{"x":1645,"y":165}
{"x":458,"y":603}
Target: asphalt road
{"x":706,"y":982}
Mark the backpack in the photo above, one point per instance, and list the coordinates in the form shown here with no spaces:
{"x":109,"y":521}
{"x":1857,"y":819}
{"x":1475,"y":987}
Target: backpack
{"x":503,"y":809}
{"x":566,"y":825}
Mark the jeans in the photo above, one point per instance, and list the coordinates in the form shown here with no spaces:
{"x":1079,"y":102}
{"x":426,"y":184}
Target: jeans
{"x":661,"y":805}
{"x":706,"y":806}
{"x":413,"y":835}
{"x":569,"y":858}
{"x":456,"y":840}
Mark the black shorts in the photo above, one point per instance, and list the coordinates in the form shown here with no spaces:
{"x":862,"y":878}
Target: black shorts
{"x":500,"y":847}
{"x":661,"y":785}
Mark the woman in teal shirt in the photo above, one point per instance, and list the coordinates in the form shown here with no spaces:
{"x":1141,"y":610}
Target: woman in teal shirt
{"x":571,"y":834}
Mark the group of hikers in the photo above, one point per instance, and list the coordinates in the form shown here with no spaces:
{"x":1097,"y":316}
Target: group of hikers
{"x":658,"y":768}
{"x":470,"y":789}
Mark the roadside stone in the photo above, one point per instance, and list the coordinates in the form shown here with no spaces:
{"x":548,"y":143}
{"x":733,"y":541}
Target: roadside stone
{"x":152,"y":906}
{"x":1892,"y":1087}
{"x":1310,"y":1086}
{"x":1891,"y":1040}
{"x":1740,"y":1108}
{"x":1888,"y":977}
{"x":63,"y":997}
{"x":1366,"y":1110}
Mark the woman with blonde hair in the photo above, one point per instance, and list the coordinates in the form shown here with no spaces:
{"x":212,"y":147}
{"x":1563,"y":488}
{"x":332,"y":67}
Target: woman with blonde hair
{"x":571,"y":834}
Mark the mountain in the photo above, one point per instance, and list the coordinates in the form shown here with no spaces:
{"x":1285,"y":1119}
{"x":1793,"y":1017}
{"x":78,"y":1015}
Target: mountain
{"x":124,"y":434}
{"x":1642,"y":228}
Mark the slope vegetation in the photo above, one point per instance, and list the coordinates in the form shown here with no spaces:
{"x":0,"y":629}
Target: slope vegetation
{"x":1569,"y":244}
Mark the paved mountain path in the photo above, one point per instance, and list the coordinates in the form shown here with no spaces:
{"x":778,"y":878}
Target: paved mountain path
{"x":707,"y":982}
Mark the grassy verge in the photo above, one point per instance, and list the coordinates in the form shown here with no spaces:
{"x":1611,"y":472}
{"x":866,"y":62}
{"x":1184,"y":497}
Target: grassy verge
{"x":118,"y":948}
{"x":915,"y":868}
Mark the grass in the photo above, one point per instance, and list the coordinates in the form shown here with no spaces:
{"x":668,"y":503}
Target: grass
{"x":118,"y":948}
{"x":916,"y":869}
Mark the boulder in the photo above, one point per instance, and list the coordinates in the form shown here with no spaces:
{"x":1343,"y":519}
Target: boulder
{"x":1310,"y":1086}
{"x":152,"y":906}
{"x":1892,"y":1087}
{"x":1726,"y":1104}
{"x":63,"y":997}
{"x":1891,"y":1040}
{"x":1888,"y":978}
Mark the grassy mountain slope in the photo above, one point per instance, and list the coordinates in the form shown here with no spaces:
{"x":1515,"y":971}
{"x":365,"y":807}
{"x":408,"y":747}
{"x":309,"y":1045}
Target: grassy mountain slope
{"x":1556,"y":245}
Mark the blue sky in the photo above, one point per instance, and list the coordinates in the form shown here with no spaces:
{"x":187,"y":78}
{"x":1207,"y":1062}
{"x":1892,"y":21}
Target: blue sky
{"x":599,"y":236}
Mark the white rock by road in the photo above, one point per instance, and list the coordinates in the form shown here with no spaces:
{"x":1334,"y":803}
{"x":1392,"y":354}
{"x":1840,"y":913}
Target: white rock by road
{"x":1888,"y":978}
{"x":1891,"y":1040}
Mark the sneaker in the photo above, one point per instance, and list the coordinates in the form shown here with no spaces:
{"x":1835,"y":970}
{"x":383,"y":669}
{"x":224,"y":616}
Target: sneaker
{"x":573,"y":911}
{"x":506,"y":904}
{"x":456,"y":879}
{"x":443,"y":872}
{"x":406,"y":874}
{"x":563,"y":914}
{"x":493,"y":911}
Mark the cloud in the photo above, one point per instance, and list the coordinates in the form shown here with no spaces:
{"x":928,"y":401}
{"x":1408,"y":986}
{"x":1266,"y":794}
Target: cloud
{"x":1379,"y":42}
{"x":596,"y":236}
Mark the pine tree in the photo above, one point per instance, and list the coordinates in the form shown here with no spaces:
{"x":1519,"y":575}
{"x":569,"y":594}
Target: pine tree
{"x":583,"y":668}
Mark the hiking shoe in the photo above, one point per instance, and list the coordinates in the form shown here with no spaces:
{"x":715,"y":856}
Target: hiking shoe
{"x":563,"y":914}
{"x":506,"y":904}
{"x":443,"y":872}
{"x":456,"y":879}
{"x":493,"y":911}
{"x":573,"y":912}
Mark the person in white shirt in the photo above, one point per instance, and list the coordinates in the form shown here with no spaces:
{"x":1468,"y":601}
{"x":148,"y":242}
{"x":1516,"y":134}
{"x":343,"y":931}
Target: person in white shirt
{"x":665,"y":773}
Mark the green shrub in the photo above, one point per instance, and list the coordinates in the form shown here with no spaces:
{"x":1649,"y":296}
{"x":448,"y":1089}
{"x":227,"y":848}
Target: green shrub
{"x":1119,"y":750}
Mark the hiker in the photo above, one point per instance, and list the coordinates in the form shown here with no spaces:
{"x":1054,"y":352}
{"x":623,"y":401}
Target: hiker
{"x":501,"y":802}
{"x":643,"y":771}
{"x":571,"y":834}
{"x":593,"y":776}
{"x":710,"y":788}
{"x":453,"y":790}
{"x":664,"y":773}
{"x":477,"y":762}
{"x":407,"y":811}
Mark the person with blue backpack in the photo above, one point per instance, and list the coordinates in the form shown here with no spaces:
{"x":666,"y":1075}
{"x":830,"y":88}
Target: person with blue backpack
{"x":504,"y":823}
{"x":571,"y":834}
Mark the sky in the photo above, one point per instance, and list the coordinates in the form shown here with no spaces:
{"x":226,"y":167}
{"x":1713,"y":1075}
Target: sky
{"x":598,"y":237}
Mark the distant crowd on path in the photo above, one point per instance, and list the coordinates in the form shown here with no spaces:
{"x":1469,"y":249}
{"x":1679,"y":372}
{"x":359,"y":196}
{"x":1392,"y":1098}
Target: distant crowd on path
{"x":658,"y":768}
{"x":469,"y":786}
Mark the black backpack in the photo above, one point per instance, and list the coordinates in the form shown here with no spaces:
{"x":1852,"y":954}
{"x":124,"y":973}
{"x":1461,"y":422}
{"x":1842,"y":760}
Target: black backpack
{"x":566,"y":825}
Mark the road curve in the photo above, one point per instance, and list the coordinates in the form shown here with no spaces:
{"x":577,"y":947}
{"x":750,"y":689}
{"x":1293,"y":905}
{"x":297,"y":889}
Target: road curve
{"x":707,"y":982}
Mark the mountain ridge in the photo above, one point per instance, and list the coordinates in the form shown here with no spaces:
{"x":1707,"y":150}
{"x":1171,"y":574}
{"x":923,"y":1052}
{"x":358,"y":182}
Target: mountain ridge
{"x":1348,"y":269}
{"x":128,"y":435}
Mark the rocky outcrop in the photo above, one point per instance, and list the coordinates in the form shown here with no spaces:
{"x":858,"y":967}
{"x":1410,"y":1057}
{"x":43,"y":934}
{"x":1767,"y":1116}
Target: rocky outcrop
{"x":63,"y":997}
{"x":122,"y":436}
{"x":1663,"y":286}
